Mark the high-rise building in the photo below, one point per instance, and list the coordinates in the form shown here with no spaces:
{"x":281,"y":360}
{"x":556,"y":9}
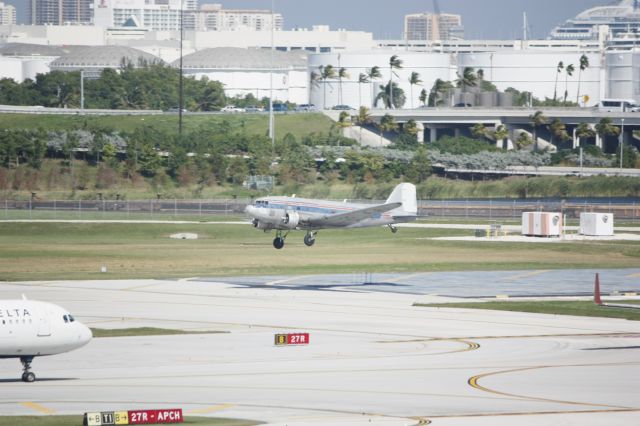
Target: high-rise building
{"x":158,"y":15}
{"x":212,"y":17}
{"x":432,"y":26}
{"x":61,"y":12}
{"x":7,"y":14}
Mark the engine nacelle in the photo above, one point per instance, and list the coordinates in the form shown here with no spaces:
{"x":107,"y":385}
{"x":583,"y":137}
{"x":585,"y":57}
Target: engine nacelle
{"x":291,"y":219}
{"x":262,"y":225}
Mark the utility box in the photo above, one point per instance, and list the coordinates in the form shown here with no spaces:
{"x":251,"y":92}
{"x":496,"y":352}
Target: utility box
{"x":541,"y":224}
{"x":598,"y":224}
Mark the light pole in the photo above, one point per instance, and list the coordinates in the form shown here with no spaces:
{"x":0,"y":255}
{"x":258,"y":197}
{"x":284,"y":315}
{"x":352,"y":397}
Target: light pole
{"x":272,"y":134}
{"x":621,"y":142}
{"x":181,"y":89}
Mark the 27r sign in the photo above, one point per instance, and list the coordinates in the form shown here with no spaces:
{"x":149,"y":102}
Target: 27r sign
{"x":292,"y":339}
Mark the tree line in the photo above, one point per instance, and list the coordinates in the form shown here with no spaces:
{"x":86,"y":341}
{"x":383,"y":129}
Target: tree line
{"x":154,"y":86}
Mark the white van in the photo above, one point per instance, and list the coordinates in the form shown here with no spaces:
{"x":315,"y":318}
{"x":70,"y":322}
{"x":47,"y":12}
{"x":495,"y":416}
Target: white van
{"x":618,"y":105}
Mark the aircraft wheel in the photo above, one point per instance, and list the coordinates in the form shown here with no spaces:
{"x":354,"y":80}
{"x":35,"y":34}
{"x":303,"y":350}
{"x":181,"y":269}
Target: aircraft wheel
{"x":278,"y":242}
{"x":309,"y":240}
{"x":28,"y":377}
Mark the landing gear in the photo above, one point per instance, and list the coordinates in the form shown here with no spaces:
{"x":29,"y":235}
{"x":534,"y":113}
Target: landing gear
{"x":27,"y":375}
{"x":278,"y":241}
{"x":393,"y":228}
{"x":310,"y":238}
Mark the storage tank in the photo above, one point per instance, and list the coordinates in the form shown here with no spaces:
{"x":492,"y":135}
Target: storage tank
{"x":488,"y":99}
{"x":505,"y":99}
{"x":623,"y":79}
{"x":597,"y":224}
{"x":468,"y":99}
{"x":541,"y":224}
{"x":534,"y":71}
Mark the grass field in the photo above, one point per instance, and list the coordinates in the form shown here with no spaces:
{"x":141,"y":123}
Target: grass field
{"x":298,"y":125}
{"x":77,"y":420}
{"x":51,"y":251}
{"x":577,"y":308}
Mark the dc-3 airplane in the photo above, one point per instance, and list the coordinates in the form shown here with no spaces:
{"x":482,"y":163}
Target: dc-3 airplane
{"x":285,"y":214}
{"x":29,"y":328}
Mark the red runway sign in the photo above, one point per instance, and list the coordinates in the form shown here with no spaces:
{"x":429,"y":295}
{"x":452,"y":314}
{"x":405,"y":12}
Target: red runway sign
{"x":292,"y":339}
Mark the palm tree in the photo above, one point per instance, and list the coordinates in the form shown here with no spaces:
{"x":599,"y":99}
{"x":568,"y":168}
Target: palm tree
{"x":584,"y":131}
{"x":439,"y":88}
{"x":414,"y":79}
{"x":479,"y":131}
{"x":391,"y":95}
{"x":568,"y":73}
{"x":584,"y":64}
{"x":537,"y":119}
{"x":373,"y":74}
{"x":501,"y":133}
{"x":362,"y":78}
{"x":559,"y":69}
{"x":423,"y":97}
{"x":410,"y":127}
{"x":342,"y":73}
{"x":363,"y":118}
{"x":558,"y":131}
{"x":606,"y":128}
{"x":326,"y":72}
{"x":387,"y":124}
{"x":467,"y":79}
{"x":394,"y":64}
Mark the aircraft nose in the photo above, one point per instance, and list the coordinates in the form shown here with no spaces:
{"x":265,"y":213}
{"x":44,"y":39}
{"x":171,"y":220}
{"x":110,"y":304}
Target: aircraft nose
{"x":85,"y":335}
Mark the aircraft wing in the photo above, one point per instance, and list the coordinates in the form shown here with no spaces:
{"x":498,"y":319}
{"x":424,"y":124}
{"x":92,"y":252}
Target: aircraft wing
{"x":349,"y":218}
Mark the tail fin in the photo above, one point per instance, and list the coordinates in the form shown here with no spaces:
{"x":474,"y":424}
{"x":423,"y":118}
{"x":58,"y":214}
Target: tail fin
{"x":404,"y":193}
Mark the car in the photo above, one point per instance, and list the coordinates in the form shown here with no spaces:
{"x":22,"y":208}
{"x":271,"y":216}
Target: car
{"x":462,"y":105}
{"x":176,"y":109}
{"x":253,"y":108}
{"x":232,"y":108}
{"x":306,"y":107}
{"x":280,"y":108}
{"x":342,"y":108}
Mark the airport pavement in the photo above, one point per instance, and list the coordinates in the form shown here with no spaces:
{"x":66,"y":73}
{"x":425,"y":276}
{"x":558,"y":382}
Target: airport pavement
{"x":373,"y":358}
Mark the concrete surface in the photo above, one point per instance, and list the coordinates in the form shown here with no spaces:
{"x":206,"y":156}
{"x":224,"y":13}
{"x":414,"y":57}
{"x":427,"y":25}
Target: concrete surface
{"x":373,"y":357}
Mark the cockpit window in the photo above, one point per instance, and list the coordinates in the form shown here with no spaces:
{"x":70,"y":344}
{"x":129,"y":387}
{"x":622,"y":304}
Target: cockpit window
{"x":66,"y":318}
{"x":71,"y":318}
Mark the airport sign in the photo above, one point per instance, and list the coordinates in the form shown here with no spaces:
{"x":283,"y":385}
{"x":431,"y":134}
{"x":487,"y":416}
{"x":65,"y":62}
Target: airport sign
{"x":292,"y":339}
{"x":136,"y":417}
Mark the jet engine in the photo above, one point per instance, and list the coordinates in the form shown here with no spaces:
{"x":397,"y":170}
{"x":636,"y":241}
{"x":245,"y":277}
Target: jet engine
{"x":291,"y":220}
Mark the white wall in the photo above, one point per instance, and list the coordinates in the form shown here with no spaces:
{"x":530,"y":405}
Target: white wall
{"x":288,"y":85}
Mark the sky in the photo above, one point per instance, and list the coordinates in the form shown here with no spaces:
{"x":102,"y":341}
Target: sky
{"x":482,"y":19}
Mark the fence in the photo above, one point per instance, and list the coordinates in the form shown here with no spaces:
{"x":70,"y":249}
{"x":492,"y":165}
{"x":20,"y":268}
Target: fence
{"x":204,"y":209}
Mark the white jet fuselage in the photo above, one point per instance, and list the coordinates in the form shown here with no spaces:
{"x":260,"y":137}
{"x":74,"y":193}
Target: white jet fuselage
{"x":31,"y":328}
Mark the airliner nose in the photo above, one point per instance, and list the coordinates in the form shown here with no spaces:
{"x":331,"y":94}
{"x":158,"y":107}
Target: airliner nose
{"x":85,"y":335}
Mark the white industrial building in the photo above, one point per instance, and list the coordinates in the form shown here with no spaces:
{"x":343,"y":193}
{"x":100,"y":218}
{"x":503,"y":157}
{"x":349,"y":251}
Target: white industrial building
{"x":252,"y":71}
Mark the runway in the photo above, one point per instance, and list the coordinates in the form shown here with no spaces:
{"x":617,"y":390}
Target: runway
{"x":373,"y":358}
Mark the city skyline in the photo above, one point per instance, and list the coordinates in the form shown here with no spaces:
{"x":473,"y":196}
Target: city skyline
{"x":494,"y":19}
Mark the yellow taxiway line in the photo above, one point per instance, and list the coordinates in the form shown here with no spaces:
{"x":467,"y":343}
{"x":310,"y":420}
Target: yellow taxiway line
{"x":38,"y":407}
